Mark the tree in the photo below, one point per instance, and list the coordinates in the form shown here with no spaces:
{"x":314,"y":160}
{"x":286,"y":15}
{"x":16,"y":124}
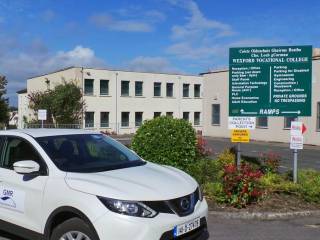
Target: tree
{"x":4,"y":107}
{"x":64,"y":103}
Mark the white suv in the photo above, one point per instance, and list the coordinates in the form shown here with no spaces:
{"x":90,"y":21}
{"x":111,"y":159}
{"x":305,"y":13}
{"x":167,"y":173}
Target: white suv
{"x":79,"y":185}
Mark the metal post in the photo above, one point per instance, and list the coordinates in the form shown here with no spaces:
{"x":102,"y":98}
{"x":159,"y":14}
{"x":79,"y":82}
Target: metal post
{"x":295,"y":162}
{"x":295,"y":165}
{"x":41,"y":123}
{"x":238,"y":155}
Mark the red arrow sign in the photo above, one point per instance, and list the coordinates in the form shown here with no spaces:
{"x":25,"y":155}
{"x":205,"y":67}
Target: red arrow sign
{"x":304,"y":128}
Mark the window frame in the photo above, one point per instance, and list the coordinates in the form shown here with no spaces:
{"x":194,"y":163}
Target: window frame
{"x":85,"y":119}
{"x":261,"y":126}
{"x":184,"y":89}
{"x":154,"y":114}
{"x":135,"y":119}
{"x":194,"y":90}
{"x":285,"y":127}
{"x":85,"y":92}
{"x":108,"y":90}
{"x":135,"y":88}
{"x":157,"y":84}
{"x":122,"y":125}
{"x":172,"y":86}
{"x":212,"y":114}
{"x":184,"y":117}
{"x":108,"y":117}
{"x":128,"y":90}
{"x":194,"y":119}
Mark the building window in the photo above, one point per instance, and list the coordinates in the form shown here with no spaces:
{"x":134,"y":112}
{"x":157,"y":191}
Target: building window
{"x":104,"y":87}
{"x":169,"y":89}
{"x":88,"y":86}
{"x":125,"y":119}
{"x":138,"y":118}
{"x":156,"y":114}
{"x":157,"y":89}
{"x":186,"y":90}
{"x":318,"y":116}
{"x":197,"y":88}
{"x":262,"y":122}
{"x":196,"y":118}
{"x":287,"y":122}
{"x":104,"y":119}
{"x":169,"y":114}
{"x":185,"y":116}
{"x":215,"y":117}
{"x":125,"y":88}
{"x":138,"y":88}
{"x":89,"y":119}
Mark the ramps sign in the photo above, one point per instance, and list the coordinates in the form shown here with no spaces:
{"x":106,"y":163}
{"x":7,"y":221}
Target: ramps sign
{"x":270,"y":81}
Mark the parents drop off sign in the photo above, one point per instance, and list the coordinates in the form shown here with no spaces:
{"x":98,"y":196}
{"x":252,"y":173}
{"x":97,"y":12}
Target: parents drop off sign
{"x":270,"y":81}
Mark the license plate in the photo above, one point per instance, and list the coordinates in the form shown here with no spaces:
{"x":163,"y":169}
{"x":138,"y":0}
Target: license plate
{"x":186,"y":227}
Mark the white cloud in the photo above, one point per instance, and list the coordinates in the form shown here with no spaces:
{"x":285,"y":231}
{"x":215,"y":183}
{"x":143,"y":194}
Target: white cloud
{"x":106,"y":21}
{"x":151,"y":64}
{"x":18,"y":66}
{"x":197,"y":38}
{"x":155,"y":15}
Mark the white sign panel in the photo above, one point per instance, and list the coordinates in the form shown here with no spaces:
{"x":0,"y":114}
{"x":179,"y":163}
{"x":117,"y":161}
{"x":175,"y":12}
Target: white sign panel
{"x":296,"y":128}
{"x":12,"y":199}
{"x":296,"y":142}
{"x":242,"y":123}
{"x":42,"y":114}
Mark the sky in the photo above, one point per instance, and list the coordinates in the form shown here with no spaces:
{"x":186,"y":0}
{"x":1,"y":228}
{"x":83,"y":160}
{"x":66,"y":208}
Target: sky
{"x":174,"y":36}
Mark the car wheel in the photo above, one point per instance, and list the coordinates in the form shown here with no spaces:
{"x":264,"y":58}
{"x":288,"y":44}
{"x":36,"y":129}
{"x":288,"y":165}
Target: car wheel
{"x":73,"y":229}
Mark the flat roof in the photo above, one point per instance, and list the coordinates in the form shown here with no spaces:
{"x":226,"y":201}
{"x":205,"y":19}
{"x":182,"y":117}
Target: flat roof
{"x":113,"y":70}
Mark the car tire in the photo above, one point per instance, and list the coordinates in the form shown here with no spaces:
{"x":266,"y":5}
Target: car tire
{"x":71,"y":228}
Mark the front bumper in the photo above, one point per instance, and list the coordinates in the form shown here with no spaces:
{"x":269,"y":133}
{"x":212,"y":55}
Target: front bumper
{"x":121,"y":227}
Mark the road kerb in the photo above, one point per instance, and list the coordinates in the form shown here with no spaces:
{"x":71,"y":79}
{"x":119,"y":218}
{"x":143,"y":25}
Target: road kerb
{"x":263,"y":215}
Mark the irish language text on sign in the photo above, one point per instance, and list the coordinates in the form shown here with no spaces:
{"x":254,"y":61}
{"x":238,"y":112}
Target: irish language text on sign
{"x":270,"y":81}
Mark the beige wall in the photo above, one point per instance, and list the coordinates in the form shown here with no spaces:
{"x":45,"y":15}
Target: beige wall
{"x":216,"y":91}
{"x":115,"y":103}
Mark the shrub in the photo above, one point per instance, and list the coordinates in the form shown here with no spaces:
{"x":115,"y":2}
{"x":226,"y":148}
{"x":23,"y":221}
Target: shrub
{"x":270,"y":161}
{"x":273,"y":182}
{"x":202,"y":149}
{"x":214,"y":191}
{"x":225,"y":158}
{"x":204,"y":171}
{"x":309,"y":181}
{"x":166,"y":140}
{"x":241,"y":186}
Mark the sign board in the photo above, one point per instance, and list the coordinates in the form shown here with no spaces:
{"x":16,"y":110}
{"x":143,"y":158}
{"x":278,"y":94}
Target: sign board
{"x":240,"y":135}
{"x":296,"y":142}
{"x":270,"y":81}
{"x":242,"y":123}
{"x":297,"y":128}
{"x":42,"y":114}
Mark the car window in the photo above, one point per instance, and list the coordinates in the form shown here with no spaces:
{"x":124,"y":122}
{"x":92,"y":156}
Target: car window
{"x":18,"y":149}
{"x":2,"y":141}
{"x":88,"y":153}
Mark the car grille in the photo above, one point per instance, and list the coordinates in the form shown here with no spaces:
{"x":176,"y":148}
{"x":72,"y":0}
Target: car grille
{"x":182,"y":206}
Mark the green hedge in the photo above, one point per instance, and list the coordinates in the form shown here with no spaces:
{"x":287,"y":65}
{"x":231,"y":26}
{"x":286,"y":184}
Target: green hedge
{"x":167,"y":141}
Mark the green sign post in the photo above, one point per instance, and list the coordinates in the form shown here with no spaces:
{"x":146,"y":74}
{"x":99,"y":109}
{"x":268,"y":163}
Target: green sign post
{"x":270,"y":81}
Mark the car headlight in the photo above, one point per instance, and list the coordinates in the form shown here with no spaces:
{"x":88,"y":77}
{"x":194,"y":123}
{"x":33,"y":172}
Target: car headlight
{"x":130,"y":208}
{"x":200,"y":194}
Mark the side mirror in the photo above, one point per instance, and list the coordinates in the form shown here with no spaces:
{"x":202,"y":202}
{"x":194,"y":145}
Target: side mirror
{"x":26,"y":167}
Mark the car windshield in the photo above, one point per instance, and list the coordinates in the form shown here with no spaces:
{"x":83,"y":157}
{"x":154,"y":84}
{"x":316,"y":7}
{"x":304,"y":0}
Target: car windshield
{"x":88,"y":153}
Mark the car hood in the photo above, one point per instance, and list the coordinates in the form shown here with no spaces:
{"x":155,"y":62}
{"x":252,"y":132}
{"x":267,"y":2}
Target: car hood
{"x":149,"y":182}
